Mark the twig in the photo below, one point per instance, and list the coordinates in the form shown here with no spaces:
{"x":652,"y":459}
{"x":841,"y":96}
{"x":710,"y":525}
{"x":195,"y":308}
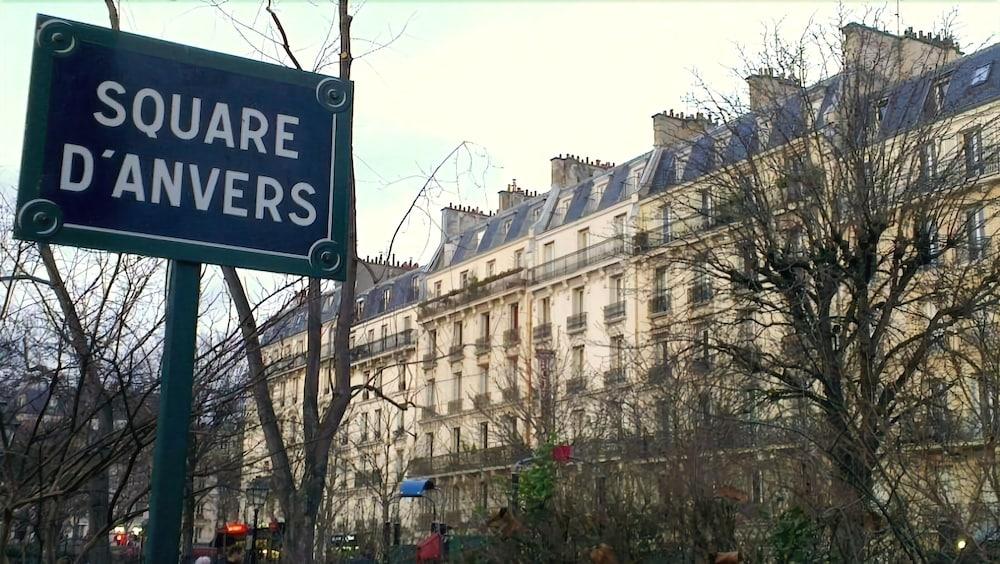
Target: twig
{"x":284,"y":36}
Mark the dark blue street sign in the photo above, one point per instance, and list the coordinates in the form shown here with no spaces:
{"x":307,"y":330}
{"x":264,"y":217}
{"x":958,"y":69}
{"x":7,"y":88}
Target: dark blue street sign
{"x":144,"y":146}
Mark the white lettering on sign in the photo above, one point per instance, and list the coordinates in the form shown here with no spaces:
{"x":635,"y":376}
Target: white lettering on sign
{"x":184,"y":118}
{"x":177,"y":184}
{"x":66,"y":182}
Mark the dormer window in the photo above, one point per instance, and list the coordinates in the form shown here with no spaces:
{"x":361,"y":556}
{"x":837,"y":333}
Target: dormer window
{"x":385,"y":299}
{"x":506,"y":226}
{"x":414,"y":288}
{"x":535,"y":214}
{"x":936,"y":97}
{"x":981,"y":74}
{"x":359,"y":308}
{"x":880,"y":108}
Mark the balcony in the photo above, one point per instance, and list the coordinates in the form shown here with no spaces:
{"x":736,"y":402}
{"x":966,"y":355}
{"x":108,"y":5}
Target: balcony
{"x":576,"y":385}
{"x":456,"y":352}
{"x":481,"y":401}
{"x":700,"y":294}
{"x":483,"y":345}
{"x":614,"y":377}
{"x":576,"y":323}
{"x":452,"y":462}
{"x":568,"y":264}
{"x":428,"y":413}
{"x":542,"y":332}
{"x":660,"y":303}
{"x":429,"y":361}
{"x":372,"y":478}
{"x":702,"y":364}
{"x":510,"y":394}
{"x":477,"y":290}
{"x":397,"y":341}
{"x":614,"y":312}
{"x":512,"y":337}
{"x":456,"y":406}
{"x":660,"y":374}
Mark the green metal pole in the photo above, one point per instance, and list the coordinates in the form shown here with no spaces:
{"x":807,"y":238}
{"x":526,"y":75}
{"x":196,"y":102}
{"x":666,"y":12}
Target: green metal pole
{"x":166,"y":498}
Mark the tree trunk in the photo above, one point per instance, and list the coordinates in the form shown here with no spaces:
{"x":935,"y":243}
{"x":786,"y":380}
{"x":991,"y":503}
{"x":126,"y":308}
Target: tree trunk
{"x":98,"y":508}
{"x":851,"y":489}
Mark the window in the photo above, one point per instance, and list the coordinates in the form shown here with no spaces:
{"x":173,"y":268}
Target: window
{"x":432,"y":341}
{"x":577,"y":420}
{"x":545,"y":310}
{"x":660,"y":279}
{"x":463,"y":278}
{"x":365,"y":393}
{"x":582,"y":239}
{"x":385,"y":332}
{"x":484,"y":435}
{"x":975,"y":225}
{"x":491,"y":268}
{"x":535,"y":214}
{"x":511,"y":424}
{"x":880,"y":108}
{"x":484,"y":325}
{"x":414,"y":288}
{"x":359,"y":308}
{"x":519,"y":258}
{"x":431,"y":394}
{"x":618,"y":223}
{"x":456,"y":334}
{"x":548,"y":251}
{"x":385,"y":299}
{"x":437,"y":288}
{"x":505,"y":229}
{"x":513,"y":316}
{"x":617,"y":352}
{"x":980,"y":75}
{"x":578,"y":361}
{"x":928,"y":161}
{"x":378,"y":424}
{"x":936,"y":97}
{"x":561,"y":208}
{"x":364,"y":427}
{"x":484,"y":380}
{"x":972,"y":147}
{"x":578,"y":300}
{"x":429,"y":444}
{"x":456,"y":386}
{"x":665,"y":227}
{"x":707,"y":213}
{"x":596,"y":194}
{"x":456,"y":439}
{"x":927,"y":247}
{"x":617,"y":287}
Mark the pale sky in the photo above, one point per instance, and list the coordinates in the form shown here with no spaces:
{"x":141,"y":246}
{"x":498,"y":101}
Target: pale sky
{"x":522,"y":81}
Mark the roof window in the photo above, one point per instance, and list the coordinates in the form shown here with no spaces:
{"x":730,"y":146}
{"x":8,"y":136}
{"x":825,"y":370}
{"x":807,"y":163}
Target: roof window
{"x":980,"y":75}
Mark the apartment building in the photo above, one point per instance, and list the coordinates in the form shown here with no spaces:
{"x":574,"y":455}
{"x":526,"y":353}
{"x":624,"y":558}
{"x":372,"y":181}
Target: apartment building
{"x":588,"y":311}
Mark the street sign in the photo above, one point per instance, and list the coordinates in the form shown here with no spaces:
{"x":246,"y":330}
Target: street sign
{"x":143,"y":146}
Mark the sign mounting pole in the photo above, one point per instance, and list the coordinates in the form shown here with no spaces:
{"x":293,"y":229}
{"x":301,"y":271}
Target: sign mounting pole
{"x":177,"y":376}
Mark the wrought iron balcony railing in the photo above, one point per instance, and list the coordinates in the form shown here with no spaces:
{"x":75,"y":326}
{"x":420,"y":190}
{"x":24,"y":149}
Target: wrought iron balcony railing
{"x":541,"y":332}
{"x":389,"y":343}
{"x":576,"y":323}
{"x":614,"y":312}
{"x":660,"y":303}
{"x":476,"y":290}
{"x":614,"y":376}
{"x":512,"y":336}
{"x":615,"y":246}
{"x":483,"y":344}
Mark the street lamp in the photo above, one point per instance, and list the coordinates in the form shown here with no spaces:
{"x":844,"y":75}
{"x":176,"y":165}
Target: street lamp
{"x":256,"y":496}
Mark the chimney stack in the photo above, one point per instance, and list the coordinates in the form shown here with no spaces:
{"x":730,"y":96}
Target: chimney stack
{"x":669,"y":127}
{"x":769,"y":90}
{"x":570,"y":170}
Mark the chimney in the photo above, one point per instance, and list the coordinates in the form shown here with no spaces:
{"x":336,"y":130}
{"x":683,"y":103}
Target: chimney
{"x":669,"y":128}
{"x":457,"y":218}
{"x":512,"y":196}
{"x":892,"y":57}
{"x":570,"y":170}
{"x":768,"y":90}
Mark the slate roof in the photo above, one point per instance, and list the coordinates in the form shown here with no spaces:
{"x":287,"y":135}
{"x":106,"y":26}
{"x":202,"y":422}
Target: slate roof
{"x":614,"y":192}
{"x":293,"y":321}
{"x":905,"y":108}
{"x":493,"y":235}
